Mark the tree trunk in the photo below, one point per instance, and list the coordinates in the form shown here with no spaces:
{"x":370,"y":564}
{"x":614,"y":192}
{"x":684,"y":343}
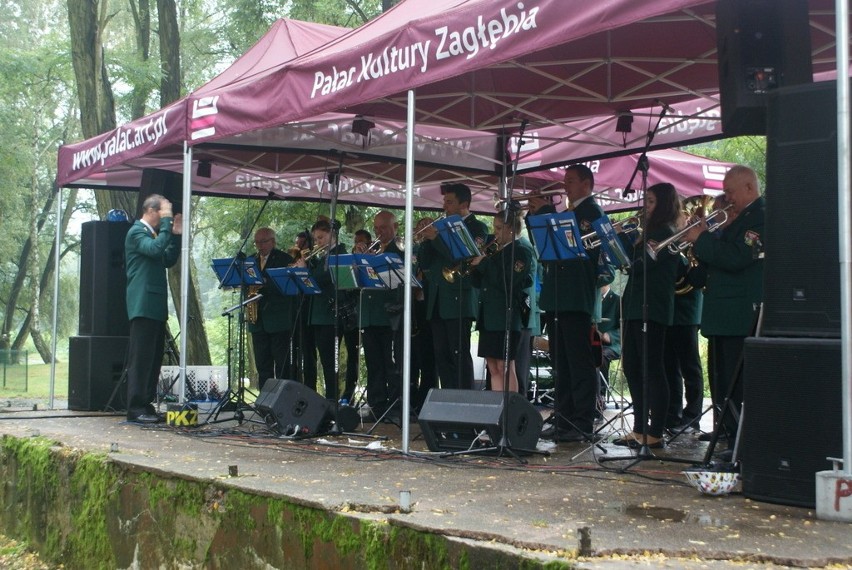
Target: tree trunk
{"x":170,"y":81}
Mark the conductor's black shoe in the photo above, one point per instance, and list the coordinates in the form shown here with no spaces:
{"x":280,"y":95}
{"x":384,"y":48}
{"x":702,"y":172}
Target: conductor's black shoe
{"x":144,"y":419}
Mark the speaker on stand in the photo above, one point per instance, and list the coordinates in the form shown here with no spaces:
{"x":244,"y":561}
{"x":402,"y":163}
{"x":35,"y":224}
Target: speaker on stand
{"x":103,"y":281}
{"x":762,"y":45}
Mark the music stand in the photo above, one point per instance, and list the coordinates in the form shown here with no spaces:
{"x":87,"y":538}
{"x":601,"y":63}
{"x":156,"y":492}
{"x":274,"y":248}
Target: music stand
{"x":557,"y":236}
{"x":293,"y":281}
{"x":456,"y":237}
{"x":610,"y":243}
{"x":235,"y":272}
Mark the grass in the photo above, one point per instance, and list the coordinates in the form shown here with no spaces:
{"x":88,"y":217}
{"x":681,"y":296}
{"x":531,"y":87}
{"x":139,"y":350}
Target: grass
{"x":32,"y":381}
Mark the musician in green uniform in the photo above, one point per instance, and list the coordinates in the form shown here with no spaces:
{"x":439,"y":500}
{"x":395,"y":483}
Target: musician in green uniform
{"x":648,"y":311}
{"x":505,"y":279}
{"x":382,"y":347}
{"x":734,"y":288}
{"x":323,"y":305}
{"x":451,"y":306}
{"x":568,"y":298}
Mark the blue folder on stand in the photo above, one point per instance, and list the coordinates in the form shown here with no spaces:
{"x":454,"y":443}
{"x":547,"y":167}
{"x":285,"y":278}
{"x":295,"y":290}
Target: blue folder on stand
{"x":234,"y":273}
{"x":457,"y":237}
{"x":354,"y":271}
{"x":294,"y":280}
{"x":557,"y":236}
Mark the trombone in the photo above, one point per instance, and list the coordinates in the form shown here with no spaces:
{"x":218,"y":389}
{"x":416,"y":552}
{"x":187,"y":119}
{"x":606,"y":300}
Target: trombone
{"x":500,"y":203}
{"x":625,"y":226}
{"x":673,"y":243}
{"x":450,"y":274}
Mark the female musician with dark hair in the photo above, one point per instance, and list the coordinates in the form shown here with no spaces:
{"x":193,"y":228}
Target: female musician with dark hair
{"x":505,"y":278}
{"x":649,"y":306}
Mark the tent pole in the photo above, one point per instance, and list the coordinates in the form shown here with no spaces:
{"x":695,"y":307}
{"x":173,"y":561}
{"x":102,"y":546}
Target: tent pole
{"x":184,"y":266}
{"x":57,"y":242}
{"x":843,"y":212}
{"x":406,"y":312}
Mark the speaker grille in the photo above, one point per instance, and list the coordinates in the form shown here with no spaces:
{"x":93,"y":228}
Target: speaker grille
{"x":792,"y":417}
{"x":802,"y":270}
{"x":103,"y":281}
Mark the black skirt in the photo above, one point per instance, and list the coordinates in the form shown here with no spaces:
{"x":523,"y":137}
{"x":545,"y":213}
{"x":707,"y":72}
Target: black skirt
{"x":491,"y":344}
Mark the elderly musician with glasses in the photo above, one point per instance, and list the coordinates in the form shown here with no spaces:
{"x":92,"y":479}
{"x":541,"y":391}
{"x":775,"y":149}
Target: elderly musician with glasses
{"x":270,"y":321}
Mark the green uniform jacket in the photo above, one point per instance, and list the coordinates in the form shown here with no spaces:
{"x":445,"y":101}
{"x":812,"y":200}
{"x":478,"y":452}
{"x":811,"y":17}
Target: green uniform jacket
{"x":734,"y":274}
{"x":372,"y":310}
{"x":492,"y":276}
{"x":455,"y":300}
{"x":146,"y":259}
{"x":571,"y":285}
{"x":660,"y":279}
{"x":687,"y":305}
{"x":322,"y":305}
{"x":275,"y":311}
{"x":611,"y":319}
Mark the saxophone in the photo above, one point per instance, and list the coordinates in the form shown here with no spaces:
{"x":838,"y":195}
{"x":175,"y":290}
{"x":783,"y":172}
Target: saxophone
{"x":251,"y":308}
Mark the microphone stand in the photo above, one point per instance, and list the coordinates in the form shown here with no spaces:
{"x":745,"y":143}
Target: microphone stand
{"x":238,"y":398}
{"x":334,"y":184}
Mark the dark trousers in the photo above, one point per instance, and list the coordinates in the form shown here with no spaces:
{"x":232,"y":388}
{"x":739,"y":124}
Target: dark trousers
{"x":352,"y":340}
{"x":271,"y":355}
{"x":324,"y":335}
{"x":383,"y":376}
{"x":144,"y":357}
{"x":576,"y":374}
{"x":633,"y":354}
{"x":305,"y":347}
{"x":723,"y":361}
{"x":424,"y":374}
{"x":684,"y":374}
{"x":451,"y":340}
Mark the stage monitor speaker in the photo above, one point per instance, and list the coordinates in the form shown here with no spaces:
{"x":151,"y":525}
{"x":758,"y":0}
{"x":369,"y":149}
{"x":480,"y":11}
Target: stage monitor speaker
{"x":792,"y":414}
{"x":95,"y":368}
{"x":801,"y":292}
{"x":762,"y":45}
{"x":103,"y":281}
{"x":167,"y":183}
{"x":291,"y":408}
{"x":451,"y":420}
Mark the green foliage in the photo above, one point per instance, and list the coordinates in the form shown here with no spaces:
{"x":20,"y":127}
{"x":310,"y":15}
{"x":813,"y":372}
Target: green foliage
{"x":749,"y":151}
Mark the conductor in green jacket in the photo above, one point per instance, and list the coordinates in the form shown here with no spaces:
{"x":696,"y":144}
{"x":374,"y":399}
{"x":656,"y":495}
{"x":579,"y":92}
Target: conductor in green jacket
{"x":734,"y":288}
{"x":451,"y":306}
{"x":151,"y":246}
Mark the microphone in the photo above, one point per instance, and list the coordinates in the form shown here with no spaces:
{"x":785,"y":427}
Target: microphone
{"x":666,"y":107}
{"x":627,"y":192}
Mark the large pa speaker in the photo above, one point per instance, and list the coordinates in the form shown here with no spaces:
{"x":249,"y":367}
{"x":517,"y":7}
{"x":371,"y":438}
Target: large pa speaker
{"x":103,"y":281}
{"x":791,"y":420}
{"x":167,"y":183}
{"x":95,"y":369}
{"x":453,"y":419}
{"x":762,"y":45}
{"x":801,"y":293}
{"x":292,"y":408}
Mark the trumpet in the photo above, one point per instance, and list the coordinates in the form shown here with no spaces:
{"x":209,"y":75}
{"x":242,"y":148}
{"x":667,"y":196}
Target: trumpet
{"x":416,"y":237}
{"x":625,"y":226}
{"x":674,"y":244}
{"x":500,"y":203}
{"x":316,"y":251}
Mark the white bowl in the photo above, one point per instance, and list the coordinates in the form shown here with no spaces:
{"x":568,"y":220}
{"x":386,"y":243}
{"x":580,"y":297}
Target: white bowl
{"x":713,"y":482}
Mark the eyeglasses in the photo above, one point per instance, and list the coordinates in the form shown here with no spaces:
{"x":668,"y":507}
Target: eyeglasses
{"x":262,"y":240}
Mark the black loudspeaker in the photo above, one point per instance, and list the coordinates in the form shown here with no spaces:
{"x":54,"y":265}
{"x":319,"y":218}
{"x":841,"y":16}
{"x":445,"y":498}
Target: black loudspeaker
{"x":452,"y":419}
{"x":801,"y":293}
{"x":164,"y":182}
{"x":103,"y":281}
{"x":762,"y":45}
{"x":791,"y":420}
{"x":291,"y":408}
{"x":95,"y":368}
